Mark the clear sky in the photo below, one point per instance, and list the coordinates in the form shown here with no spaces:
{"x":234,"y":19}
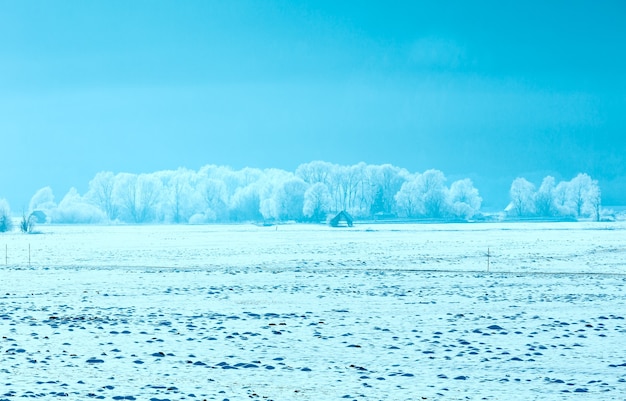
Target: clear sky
{"x":484,"y":89}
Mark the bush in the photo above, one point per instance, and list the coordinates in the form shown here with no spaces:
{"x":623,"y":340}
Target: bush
{"x":6,"y":224}
{"x":27,"y":225}
{"x":78,"y":213}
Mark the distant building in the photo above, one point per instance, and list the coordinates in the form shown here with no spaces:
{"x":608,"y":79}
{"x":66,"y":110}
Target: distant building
{"x":340,"y":219}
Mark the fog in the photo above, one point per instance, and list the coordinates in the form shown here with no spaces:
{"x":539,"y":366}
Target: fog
{"x":483,"y":91}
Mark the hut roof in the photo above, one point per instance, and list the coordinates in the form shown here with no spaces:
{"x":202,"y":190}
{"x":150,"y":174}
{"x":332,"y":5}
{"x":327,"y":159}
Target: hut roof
{"x":342,"y":216}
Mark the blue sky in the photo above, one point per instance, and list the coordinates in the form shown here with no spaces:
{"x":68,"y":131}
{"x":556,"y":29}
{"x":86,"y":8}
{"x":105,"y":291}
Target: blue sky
{"x":483,"y":89}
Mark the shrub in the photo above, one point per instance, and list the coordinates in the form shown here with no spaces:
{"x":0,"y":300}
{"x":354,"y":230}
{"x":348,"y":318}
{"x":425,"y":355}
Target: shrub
{"x":27,"y":224}
{"x":6,"y":224}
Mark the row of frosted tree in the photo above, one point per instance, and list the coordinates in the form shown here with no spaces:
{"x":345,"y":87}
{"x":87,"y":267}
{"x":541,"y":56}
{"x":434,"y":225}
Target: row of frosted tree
{"x":221,"y":194}
{"x":579,"y":197}
{"x":311,"y":193}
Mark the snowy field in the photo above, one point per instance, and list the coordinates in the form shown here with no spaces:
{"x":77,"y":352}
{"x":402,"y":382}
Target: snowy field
{"x":302,"y":312}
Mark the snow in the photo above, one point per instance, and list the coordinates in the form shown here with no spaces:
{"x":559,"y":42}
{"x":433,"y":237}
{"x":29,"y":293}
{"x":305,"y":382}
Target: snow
{"x":305,"y":312}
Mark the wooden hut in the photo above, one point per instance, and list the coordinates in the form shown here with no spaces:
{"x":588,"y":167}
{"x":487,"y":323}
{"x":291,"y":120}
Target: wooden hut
{"x":340,"y":219}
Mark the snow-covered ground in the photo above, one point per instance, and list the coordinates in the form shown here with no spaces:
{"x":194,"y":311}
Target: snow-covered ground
{"x":389,"y":312}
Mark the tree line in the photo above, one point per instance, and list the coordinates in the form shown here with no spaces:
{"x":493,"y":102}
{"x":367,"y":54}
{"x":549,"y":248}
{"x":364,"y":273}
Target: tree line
{"x":579,"y":197}
{"x":215,"y":194}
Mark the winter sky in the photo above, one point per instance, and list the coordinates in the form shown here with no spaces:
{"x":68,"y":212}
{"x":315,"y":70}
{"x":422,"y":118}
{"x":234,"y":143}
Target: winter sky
{"x":489,"y":90}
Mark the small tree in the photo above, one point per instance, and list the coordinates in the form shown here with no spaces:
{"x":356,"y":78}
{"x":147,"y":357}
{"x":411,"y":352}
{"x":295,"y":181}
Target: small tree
{"x":594,"y":201}
{"x":464,"y":198}
{"x":408,"y":200}
{"x":289,"y":199}
{"x":562,"y":201}
{"x":580,"y":187}
{"x":545,"y":197}
{"x":75,"y":209}
{"x":214,"y":195}
{"x":101,"y":193}
{"x":27,"y":225}
{"x":521,"y":194}
{"x":246,"y":204}
{"x":138,"y":196}
{"x":433,"y":193}
{"x":316,"y":202}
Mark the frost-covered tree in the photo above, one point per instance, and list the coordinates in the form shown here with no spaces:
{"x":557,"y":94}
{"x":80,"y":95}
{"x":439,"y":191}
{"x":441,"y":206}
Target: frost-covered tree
{"x":522,"y":199}
{"x":580,"y":188}
{"x":545,"y":198}
{"x":219,"y":173}
{"x":594,"y":201}
{"x":289,"y":199}
{"x":248,"y":176}
{"x":409,"y":200}
{"x":218,"y":198}
{"x":125,"y":195}
{"x":150,"y":190}
{"x":316,"y":202}
{"x":138,"y":196}
{"x":360,"y":189}
{"x":562,"y":201}
{"x":281,"y":195}
{"x":378,"y":204}
{"x":43,"y":201}
{"x":424,"y":195}
{"x":316,"y":171}
{"x":579,"y":197}
{"x":269,"y":185}
{"x":464,"y":199}
{"x":245,"y":204}
{"x":100,"y":193}
{"x":431,"y":185}
{"x":335,"y":188}
{"x":351,"y":183}
{"x":74,"y":209}
{"x":385,"y":182}
{"x":178,"y":200}
{"x":6,"y":223}
{"x":339,"y":185}
{"x":214,"y":194}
